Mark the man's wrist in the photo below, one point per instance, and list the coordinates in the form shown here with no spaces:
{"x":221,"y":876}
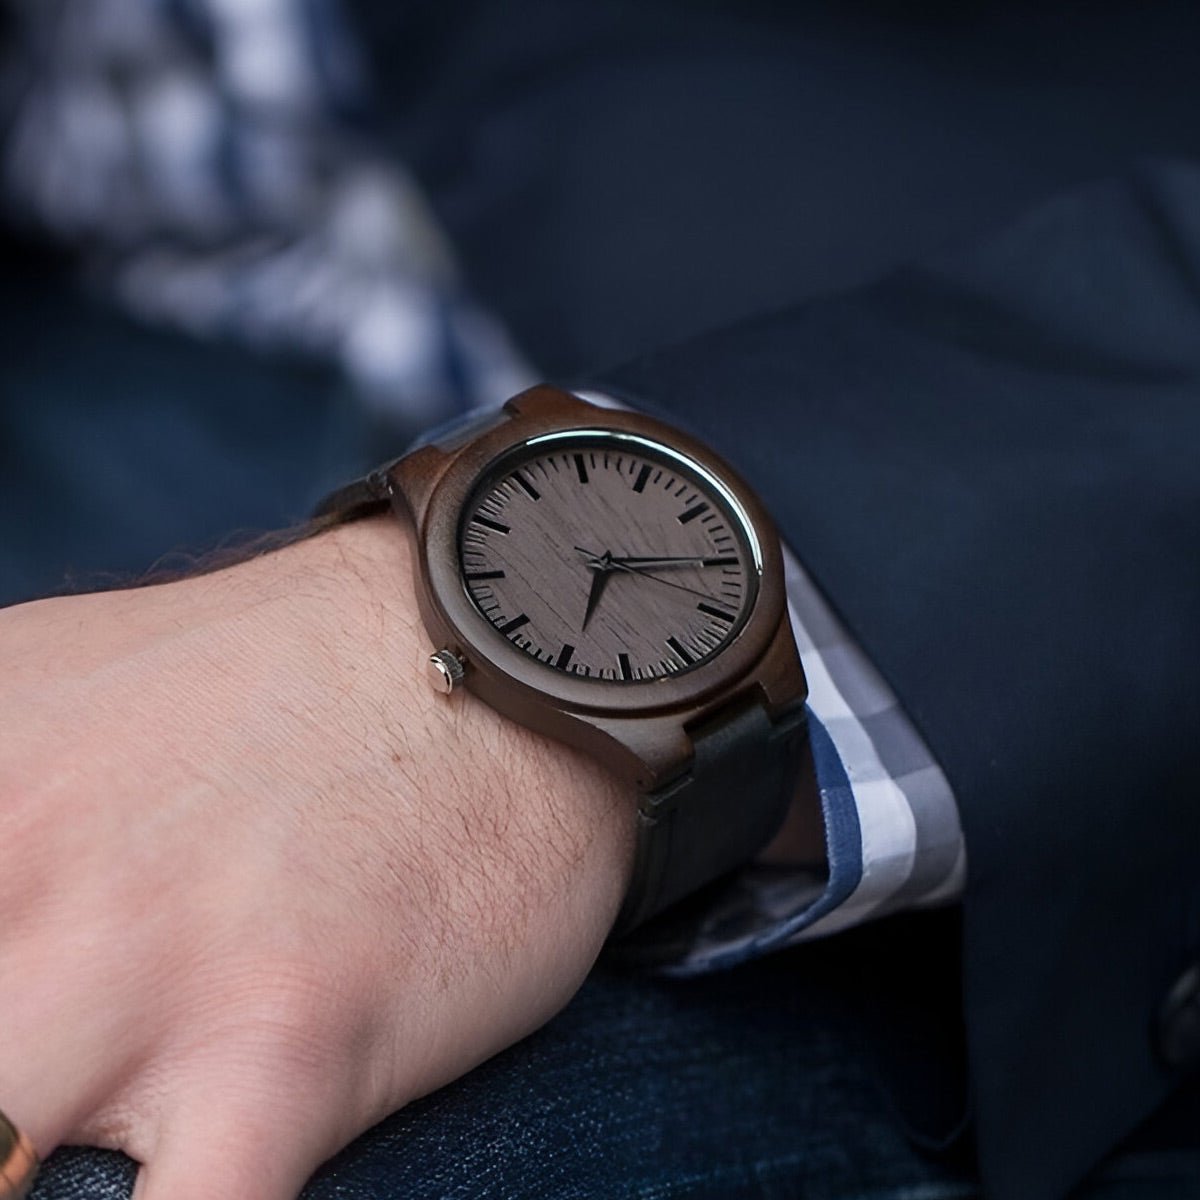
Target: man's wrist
{"x":371,"y":560}
{"x":566,"y":801}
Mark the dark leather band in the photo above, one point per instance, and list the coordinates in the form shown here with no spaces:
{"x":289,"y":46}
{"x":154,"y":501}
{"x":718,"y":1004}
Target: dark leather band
{"x":703,"y":824}
{"x":370,"y":494}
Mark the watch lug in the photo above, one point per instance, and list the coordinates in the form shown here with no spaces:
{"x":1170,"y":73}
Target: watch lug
{"x":779,"y":675}
{"x":413,"y":479}
{"x":545,"y":401}
{"x":655,"y":748}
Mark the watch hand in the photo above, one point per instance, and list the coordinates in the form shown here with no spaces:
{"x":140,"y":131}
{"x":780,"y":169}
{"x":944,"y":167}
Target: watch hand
{"x":603,"y":563}
{"x":607,"y":561}
{"x":620,"y":566}
{"x":598,"y":562}
{"x":600,"y":576}
{"x":649,"y":561}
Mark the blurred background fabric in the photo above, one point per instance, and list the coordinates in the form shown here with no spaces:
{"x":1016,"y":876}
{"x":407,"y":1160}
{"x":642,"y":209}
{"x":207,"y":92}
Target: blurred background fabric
{"x":205,"y":158}
{"x":250,"y":246}
{"x":220,"y":298}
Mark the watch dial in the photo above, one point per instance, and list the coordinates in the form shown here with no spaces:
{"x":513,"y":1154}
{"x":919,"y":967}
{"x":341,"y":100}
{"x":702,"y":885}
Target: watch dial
{"x":608,"y":557}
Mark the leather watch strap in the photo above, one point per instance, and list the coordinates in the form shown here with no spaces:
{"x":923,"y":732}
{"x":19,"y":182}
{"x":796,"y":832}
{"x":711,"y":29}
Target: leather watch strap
{"x":372,"y":492}
{"x":703,"y":824}
{"x":369,"y":494}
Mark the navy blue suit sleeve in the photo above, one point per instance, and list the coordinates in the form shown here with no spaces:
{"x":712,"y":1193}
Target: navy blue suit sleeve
{"x":991,"y":465}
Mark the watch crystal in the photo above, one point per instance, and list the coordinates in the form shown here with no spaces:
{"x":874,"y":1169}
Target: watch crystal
{"x":608,"y":557}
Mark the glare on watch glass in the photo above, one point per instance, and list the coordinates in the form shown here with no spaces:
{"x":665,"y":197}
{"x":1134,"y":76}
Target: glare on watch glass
{"x":606,"y":560}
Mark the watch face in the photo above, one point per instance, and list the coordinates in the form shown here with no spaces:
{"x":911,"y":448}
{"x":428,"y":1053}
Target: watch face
{"x":608,"y":556}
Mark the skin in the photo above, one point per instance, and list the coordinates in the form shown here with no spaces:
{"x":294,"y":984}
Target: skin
{"x":260,"y":885}
{"x":244,"y":905}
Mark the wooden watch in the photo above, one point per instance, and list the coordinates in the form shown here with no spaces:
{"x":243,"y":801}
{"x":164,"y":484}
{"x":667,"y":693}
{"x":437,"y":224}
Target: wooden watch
{"x":607,"y":580}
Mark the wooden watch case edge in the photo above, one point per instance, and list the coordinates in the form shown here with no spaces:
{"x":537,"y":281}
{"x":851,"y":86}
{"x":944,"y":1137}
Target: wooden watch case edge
{"x":644,"y":738}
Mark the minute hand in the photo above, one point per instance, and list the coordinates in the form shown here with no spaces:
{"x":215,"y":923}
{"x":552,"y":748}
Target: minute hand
{"x":650,"y":561}
{"x":622,"y":565}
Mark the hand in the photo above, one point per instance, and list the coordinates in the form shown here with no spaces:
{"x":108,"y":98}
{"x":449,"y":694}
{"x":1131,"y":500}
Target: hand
{"x":260,"y":886}
{"x":656,"y":563}
{"x":607,"y":561}
{"x":600,"y":577}
{"x":604,"y":563}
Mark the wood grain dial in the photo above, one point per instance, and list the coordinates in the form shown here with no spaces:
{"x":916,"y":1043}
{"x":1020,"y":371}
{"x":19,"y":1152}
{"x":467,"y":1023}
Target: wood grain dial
{"x":608,"y":556}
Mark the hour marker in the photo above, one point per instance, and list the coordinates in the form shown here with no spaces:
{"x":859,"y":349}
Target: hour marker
{"x":498,"y":526}
{"x":476,"y":576}
{"x":678,"y":648}
{"x":564,"y":656}
{"x":580,"y":468}
{"x":640,"y":482}
{"x":719,"y":613}
{"x":623,"y":663}
{"x":729,"y":560}
{"x":526,"y":486}
{"x":692,"y":513}
{"x":516,"y":623}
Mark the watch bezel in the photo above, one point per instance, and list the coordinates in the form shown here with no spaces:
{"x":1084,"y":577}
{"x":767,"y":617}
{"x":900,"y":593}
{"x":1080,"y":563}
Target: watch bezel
{"x":620,"y":442}
{"x":497,"y":667}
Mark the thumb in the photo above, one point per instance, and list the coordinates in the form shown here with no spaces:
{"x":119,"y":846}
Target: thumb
{"x":218,"y":1149}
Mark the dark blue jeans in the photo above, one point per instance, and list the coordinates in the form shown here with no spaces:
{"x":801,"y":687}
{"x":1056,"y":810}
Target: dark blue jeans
{"x":754,"y":1083}
{"x":747,"y":1084}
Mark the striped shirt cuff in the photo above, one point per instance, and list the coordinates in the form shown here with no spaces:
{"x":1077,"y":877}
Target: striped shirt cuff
{"x":891,"y":822}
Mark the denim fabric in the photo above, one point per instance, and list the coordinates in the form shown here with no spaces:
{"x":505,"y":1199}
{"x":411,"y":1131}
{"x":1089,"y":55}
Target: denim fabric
{"x":754,"y":1084}
{"x":747,"y":1084}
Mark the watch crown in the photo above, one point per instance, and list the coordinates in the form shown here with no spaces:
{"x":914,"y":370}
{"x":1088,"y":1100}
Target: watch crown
{"x":446,"y":671}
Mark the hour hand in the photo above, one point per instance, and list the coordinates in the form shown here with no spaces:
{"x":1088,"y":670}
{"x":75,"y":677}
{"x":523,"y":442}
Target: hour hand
{"x":601,"y":566}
